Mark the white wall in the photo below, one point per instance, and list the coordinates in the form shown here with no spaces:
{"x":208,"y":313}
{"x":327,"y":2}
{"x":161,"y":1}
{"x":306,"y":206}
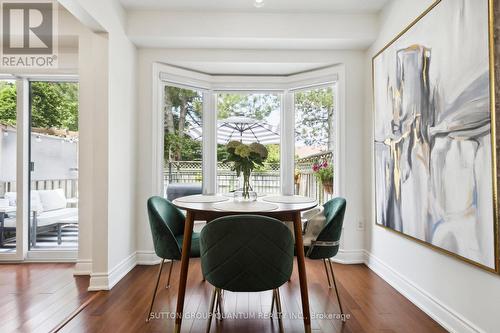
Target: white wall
{"x":458,"y":295}
{"x":353,"y":62}
{"x":110,"y":87}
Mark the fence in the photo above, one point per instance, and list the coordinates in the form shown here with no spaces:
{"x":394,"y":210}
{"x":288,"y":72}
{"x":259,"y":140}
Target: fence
{"x":264,"y":180}
{"x":70,"y":186}
{"x":305,"y":181}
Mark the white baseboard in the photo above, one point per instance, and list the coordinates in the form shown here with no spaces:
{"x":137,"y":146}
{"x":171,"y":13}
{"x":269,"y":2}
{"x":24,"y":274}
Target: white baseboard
{"x":106,"y":281}
{"x":147,"y":258}
{"x":83,"y":267}
{"x":442,"y":313}
{"x":349,"y":257}
{"x":98,"y":281}
{"x":51,"y":256}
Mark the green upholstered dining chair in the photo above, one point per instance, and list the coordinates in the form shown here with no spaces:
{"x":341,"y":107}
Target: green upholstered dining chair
{"x":167,"y":228}
{"x":326,"y":245}
{"x":246,"y":253}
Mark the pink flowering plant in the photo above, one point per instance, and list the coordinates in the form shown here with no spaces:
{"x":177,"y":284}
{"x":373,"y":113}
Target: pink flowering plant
{"x":323,"y":171}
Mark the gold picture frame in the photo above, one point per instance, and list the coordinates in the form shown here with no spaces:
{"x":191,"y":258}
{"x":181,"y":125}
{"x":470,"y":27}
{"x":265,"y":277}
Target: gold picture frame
{"x":493,"y":129}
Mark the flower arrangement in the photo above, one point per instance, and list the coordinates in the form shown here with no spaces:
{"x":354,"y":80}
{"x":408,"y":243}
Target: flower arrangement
{"x":245,"y":158}
{"x":324,"y":174}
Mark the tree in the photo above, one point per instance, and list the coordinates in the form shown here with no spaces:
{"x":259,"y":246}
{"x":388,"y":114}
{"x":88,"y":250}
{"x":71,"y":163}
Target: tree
{"x":181,"y":107}
{"x":53,"y":104}
{"x":315,"y":117}
{"x":255,"y":106}
{"x":8,"y":103}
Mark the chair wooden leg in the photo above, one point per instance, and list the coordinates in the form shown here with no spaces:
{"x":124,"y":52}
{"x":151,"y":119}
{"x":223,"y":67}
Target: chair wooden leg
{"x":170,"y":273}
{"x":210,"y":314}
{"x":327,"y":274}
{"x":336,"y":290}
{"x":156,"y":288}
{"x":279,"y":310}
{"x":219,"y":304}
{"x":272,"y":303}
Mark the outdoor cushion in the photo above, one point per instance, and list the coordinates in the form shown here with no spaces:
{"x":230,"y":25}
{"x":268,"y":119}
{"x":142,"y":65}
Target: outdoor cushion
{"x":36,"y":204}
{"x":52,"y":199}
{"x":175,"y":191}
{"x":55,"y":216}
{"x":12,"y":197}
{"x":9,"y":222}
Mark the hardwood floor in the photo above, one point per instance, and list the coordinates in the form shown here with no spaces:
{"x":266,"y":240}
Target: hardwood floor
{"x":372,"y":304}
{"x":36,"y":297}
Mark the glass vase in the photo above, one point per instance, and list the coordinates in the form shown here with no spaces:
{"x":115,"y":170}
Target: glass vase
{"x":246,"y":194}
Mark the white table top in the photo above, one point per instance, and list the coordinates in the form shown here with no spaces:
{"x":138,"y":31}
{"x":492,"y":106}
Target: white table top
{"x":209,"y":207}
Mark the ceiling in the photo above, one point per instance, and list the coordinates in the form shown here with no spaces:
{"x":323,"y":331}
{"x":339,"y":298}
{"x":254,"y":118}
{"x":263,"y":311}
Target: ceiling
{"x":298,"y":6}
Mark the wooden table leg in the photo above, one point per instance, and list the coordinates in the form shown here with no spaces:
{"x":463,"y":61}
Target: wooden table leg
{"x":299,"y":244}
{"x":186,"y":249}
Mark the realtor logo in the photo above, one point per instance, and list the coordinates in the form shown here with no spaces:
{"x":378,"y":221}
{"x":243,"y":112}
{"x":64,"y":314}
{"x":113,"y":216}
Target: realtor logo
{"x":29,"y":36}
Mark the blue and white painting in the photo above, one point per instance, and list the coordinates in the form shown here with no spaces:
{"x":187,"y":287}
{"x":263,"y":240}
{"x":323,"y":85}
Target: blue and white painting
{"x":432,"y":132}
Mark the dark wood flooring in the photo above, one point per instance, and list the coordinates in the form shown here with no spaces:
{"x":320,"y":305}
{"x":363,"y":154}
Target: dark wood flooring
{"x":372,"y":304}
{"x":37,"y":297}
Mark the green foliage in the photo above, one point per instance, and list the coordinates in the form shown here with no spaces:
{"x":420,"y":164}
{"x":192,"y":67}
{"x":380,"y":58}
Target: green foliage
{"x":274,"y":153}
{"x":179,"y":146}
{"x":183,"y":107}
{"x":54,"y":104}
{"x":7,"y":103}
{"x":314,"y":115}
{"x":189,"y":149}
{"x":256,"y":106}
{"x":191,"y":99}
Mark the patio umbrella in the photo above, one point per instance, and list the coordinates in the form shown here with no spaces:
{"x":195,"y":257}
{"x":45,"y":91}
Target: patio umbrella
{"x":243,"y":129}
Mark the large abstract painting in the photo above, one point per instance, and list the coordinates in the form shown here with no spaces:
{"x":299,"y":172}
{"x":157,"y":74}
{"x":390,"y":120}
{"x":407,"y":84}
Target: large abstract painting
{"x":433,"y":132}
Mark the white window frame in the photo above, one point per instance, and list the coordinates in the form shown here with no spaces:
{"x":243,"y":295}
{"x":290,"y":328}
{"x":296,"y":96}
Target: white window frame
{"x":212,"y":84}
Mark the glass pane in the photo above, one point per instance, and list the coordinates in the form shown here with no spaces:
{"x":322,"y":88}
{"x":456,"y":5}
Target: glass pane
{"x":183,"y":142}
{"x":249,"y":118}
{"x":8,"y":115}
{"x":314,"y":143}
{"x":54,"y":165}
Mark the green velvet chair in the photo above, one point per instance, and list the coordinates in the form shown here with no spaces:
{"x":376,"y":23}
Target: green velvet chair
{"x":167,"y":228}
{"x":246,"y":253}
{"x":327,"y":243}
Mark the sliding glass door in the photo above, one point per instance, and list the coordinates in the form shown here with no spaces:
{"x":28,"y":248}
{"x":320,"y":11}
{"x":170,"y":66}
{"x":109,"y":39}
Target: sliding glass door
{"x":53,"y":190}
{"x":8,"y":165}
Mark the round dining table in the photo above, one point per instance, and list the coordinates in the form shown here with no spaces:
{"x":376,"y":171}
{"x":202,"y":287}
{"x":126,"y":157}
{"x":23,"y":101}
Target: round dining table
{"x":208,"y":211}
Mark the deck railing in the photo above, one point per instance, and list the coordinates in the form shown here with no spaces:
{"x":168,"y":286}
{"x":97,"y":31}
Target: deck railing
{"x":264,"y":180}
{"x":70,"y":186}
